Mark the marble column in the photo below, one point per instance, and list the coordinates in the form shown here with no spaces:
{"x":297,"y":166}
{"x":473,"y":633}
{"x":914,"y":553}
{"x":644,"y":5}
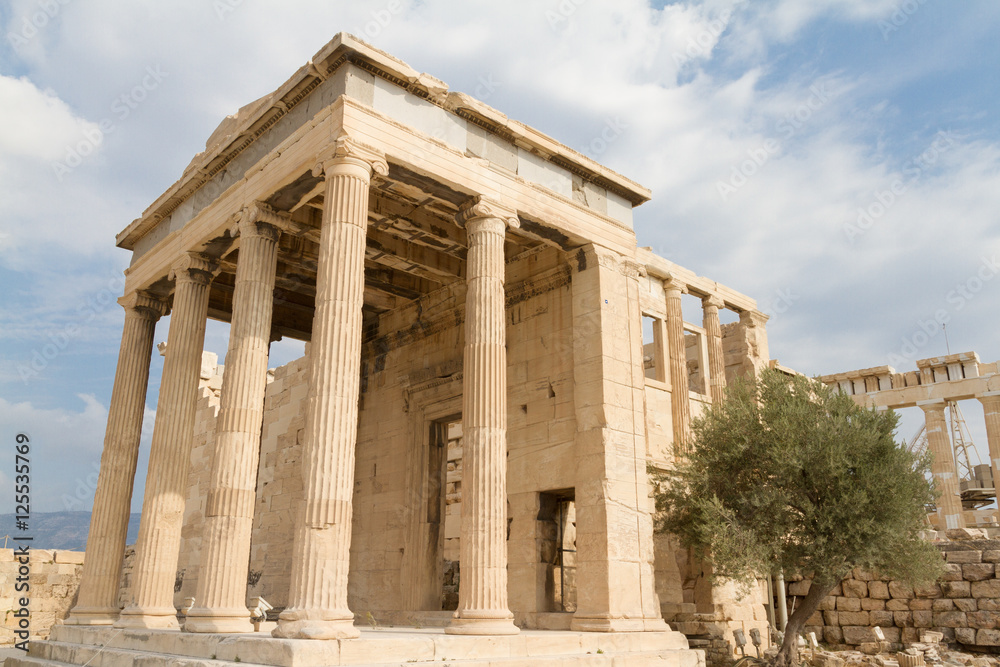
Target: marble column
{"x":716,"y":357}
{"x":317,"y":601}
{"x":949,"y":504}
{"x":991,"y":410}
{"x":680,"y":406}
{"x":158,"y":546}
{"x":97,"y":602}
{"x":220,"y":599}
{"x":482,"y":593}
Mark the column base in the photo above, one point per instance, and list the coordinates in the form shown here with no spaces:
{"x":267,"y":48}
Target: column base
{"x":148,"y":618}
{"x":617,"y":624}
{"x":226,"y":621}
{"x":470,"y":625}
{"x":300,"y":624}
{"x":92,"y":616}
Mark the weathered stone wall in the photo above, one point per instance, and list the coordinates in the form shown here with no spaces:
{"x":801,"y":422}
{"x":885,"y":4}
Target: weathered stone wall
{"x":54,"y":580}
{"x":964,"y":605}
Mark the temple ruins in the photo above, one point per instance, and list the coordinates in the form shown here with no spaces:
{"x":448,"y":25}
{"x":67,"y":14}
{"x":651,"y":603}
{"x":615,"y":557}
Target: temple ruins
{"x":457,"y":468}
{"x":936,"y":385}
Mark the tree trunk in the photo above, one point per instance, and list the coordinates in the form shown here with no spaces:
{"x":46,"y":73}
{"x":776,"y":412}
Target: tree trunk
{"x":788,"y":656}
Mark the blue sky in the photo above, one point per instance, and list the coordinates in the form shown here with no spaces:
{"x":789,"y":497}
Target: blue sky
{"x":835,"y":159}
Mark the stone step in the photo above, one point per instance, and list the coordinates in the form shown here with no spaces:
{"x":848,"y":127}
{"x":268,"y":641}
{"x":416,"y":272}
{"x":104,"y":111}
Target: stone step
{"x":110,"y":647}
{"x":56,"y":654}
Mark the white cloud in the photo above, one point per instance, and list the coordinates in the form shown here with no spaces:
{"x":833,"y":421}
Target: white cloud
{"x":37,"y":125}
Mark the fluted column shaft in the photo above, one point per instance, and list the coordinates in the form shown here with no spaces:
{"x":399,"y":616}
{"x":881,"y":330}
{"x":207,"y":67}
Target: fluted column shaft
{"x":97,"y":603}
{"x":716,"y":357}
{"x":991,"y":411}
{"x":225,"y":556}
{"x":317,"y":601}
{"x":680,"y":407}
{"x":157,"y":548}
{"x":949,"y":505}
{"x":482,"y":593}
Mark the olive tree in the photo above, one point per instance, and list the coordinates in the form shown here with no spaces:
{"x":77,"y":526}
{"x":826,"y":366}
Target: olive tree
{"x":789,"y":475}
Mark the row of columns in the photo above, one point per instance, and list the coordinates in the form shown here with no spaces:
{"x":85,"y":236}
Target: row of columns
{"x":321,"y":551}
{"x":949,"y":504}
{"x":679,"y":400}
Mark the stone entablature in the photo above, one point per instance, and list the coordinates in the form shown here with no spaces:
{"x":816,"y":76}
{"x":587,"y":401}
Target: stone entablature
{"x":934,"y":370}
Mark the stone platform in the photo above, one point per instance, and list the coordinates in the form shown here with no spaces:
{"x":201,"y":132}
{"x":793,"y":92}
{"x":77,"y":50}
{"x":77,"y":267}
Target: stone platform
{"x":382,"y":647}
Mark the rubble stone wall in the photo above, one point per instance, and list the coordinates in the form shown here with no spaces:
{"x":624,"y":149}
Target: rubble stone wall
{"x":964,"y":605}
{"x":53,"y":584}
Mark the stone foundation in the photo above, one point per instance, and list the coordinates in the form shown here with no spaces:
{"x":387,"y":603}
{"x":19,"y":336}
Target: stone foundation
{"x":964,"y":605}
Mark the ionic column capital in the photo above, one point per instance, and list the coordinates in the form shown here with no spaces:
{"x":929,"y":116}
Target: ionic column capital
{"x":673,"y":285}
{"x":144,"y":304}
{"x":193,"y":267}
{"x":480,"y":213}
{"x":712,"y":301}
{"x":260,"y":220}
{"x":347,"y":151}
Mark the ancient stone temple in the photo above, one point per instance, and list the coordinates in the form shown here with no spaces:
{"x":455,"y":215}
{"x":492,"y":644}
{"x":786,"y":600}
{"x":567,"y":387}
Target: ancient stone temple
{"x":457,"y":469}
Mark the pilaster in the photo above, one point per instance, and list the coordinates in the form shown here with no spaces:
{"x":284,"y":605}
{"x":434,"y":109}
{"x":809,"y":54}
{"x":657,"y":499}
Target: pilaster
{"x":615,"y":580}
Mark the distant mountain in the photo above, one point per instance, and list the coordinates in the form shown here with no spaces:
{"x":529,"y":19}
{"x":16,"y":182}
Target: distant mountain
{"x":58,"y":530}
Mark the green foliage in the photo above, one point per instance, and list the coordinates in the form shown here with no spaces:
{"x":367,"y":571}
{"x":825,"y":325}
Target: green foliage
{"x":788,"y":474}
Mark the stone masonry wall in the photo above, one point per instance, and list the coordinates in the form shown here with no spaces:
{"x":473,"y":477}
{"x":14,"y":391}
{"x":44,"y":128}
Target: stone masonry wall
{"x":53,"y":582}
{"x":964,"y":604}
